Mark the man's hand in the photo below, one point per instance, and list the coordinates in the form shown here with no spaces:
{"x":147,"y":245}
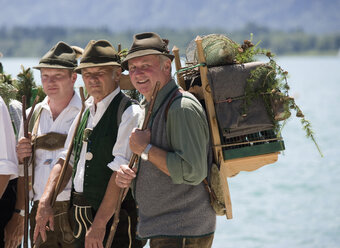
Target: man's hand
{"x":44,"y":217}
{"x":124,"y":176}
{"x":14,"y":231}
{"x":24,"y":148}
{"x":95,"y":236}
{"x":139,"y":140}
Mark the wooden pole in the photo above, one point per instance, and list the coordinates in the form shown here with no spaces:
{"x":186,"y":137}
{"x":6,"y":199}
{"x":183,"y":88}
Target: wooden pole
{"x":210,"y":107}
{"x":178,"y":65}
{"x":65,"y":164}
{"x":26,"y":164}
{"x":133,"y":159}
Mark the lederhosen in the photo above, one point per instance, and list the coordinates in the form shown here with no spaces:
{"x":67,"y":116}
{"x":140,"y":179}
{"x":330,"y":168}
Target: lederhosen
{"x":100,"y":142}
{"x":50,"y":142}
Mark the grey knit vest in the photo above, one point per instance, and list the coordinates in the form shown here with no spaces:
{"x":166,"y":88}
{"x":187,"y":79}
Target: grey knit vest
{"x":167,"y":209}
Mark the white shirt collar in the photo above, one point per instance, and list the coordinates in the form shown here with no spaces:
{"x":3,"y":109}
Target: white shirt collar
{"x":103,"y":104}
{"x":75,"y":102}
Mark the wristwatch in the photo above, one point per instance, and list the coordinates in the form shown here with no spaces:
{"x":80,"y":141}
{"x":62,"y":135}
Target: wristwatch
{"x":145,"y":153}
{"x":20,"y":211}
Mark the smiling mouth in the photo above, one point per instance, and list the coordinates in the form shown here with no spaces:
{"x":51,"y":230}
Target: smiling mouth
{"x":143,"y":81}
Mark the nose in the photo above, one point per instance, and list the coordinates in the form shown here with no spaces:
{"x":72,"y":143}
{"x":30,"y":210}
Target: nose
{"x":50,"y":80}
{"x":138,"y":72}
{"x":93,"y":78}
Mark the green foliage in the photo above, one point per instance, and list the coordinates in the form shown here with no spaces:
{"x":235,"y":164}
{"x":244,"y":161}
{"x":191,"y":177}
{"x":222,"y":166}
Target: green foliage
{"x":24,"y":85}
{"x":7,"y":88}
{"x":274,"y":89}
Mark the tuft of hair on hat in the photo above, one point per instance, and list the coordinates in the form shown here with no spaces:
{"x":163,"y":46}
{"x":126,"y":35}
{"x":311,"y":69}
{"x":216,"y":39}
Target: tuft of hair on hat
{"x":79,"y":51}
{"x":166,"y":41}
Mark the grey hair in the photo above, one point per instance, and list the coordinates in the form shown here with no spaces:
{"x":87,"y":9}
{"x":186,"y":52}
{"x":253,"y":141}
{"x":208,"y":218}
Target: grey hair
{"x":162,"y":59}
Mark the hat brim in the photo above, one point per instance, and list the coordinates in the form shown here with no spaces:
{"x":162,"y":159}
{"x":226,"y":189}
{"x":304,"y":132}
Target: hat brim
{"x":42,"y":65}
{"x":88,"y":65}
{"x":141,"y":53}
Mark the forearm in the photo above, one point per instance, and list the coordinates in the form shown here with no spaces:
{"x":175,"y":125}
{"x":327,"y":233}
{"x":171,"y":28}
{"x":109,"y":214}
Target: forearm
{"x":157,"y":157}
{"x":3,"y":183}
{"x":108,"y":204}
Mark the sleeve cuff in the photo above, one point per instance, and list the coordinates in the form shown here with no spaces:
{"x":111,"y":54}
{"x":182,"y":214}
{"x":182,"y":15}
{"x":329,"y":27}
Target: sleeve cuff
{"x":9,"y":168}
{"x":176,"y":172}
{"x":117,"y":162}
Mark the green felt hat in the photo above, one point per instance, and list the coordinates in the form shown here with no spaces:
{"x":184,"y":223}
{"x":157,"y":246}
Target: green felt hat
{"x":147,"y":44}
{"x":61,"y":56}
{"x":98,"y":53}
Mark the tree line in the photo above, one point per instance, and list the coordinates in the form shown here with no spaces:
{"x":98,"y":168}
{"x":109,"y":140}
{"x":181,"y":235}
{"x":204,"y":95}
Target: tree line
{"x":35,"y":41}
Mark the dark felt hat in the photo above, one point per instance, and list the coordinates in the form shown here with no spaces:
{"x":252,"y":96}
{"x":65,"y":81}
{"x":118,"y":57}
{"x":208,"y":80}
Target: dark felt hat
{"x":61,"y":56}
{"x":98,"y":53}
{"x":147,"y":44}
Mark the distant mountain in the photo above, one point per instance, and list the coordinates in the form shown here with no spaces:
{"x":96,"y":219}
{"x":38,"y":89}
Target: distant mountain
{"x":312,"y":16}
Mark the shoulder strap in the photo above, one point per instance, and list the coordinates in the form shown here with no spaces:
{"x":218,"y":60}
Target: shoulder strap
{"x":34,"y":122}
{"x":33,"y":128}
{"x":174,"y":96}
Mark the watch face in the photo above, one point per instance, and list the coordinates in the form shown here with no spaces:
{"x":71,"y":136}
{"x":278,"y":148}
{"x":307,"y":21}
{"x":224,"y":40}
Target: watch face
{"x":144,"y":156}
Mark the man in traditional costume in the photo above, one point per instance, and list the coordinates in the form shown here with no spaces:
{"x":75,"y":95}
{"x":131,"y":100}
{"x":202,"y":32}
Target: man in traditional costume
{"x":101,"y":145}
{"x":173,"y":206}
{"x":49,"y":126}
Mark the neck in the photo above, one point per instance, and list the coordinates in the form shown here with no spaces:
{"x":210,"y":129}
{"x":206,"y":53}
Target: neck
{"x":58,"y":105}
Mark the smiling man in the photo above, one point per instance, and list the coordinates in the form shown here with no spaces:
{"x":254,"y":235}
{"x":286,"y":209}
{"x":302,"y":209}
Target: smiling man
{"x":173,"y":206}
{"x":101,"y":146}
{"x":49,"y":125}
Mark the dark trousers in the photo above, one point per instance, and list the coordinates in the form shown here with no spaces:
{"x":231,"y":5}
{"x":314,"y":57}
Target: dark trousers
{"x":125,"y":235}
{"x":7,"y":204}
{"x":62,"y":236}
{"x":201,"y":242}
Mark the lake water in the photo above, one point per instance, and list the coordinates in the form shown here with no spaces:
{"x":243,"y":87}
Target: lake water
{"x":296,"y":201}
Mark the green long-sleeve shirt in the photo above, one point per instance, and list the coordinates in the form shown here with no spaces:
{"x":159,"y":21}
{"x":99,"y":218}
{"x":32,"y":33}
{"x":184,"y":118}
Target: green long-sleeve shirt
{"x":188,"y":134}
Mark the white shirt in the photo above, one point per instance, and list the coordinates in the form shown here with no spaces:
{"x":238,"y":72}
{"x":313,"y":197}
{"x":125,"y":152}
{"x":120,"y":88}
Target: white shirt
{"x":44,"y":159}
{"x":121,"y":150}
{"x":8,"y":156}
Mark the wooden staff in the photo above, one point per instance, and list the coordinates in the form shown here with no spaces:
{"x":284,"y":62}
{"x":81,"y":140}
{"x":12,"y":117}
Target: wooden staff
{"x":26,"y":121}
{"x":211,"y":113}
{"x":178,"y":65}
{"x":57,"y":188}
{"x":133,"y":160}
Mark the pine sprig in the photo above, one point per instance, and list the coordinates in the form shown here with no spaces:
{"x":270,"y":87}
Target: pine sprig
{"x":7,"y":88}
{"x":26,"y":86}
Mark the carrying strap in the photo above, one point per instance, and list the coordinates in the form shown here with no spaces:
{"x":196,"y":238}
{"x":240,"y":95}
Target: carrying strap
{"x":33,"y":127}
{"x":176,"y":94}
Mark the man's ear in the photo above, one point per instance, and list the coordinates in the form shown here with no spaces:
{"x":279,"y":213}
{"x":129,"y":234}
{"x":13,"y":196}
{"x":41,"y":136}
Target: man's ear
{"x":167,"y":65}
{"x":118,"y":72}
{"x":74,"y":77}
